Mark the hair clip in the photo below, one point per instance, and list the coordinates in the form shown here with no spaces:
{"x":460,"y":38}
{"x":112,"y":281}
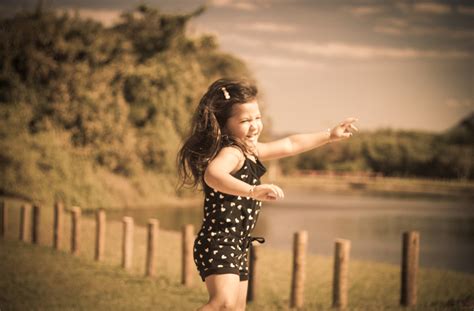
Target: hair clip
{"x":226,"y":94}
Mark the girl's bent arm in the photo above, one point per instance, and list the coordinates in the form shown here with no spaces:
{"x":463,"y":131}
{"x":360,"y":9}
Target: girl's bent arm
{"x":218,"y":176}
{"x":218,"y":173}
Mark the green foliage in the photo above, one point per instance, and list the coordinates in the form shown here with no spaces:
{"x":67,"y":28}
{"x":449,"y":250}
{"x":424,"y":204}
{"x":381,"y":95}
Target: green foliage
{"x":94,"y":100}
{"x":393,"y":153}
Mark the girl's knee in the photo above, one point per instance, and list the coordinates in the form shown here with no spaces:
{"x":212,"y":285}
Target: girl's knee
{"x":224,"y":304}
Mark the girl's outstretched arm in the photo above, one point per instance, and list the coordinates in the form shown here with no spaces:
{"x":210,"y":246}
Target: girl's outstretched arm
{"x":218,"y":176}
{"x":299,"y":143}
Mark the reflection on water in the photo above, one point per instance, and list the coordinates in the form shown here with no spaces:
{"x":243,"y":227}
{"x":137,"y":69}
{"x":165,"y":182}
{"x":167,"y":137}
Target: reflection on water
{"x":374,"y":225}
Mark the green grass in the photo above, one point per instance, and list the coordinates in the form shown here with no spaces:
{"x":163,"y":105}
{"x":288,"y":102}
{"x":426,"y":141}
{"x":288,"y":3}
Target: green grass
{"x":39,"y":278}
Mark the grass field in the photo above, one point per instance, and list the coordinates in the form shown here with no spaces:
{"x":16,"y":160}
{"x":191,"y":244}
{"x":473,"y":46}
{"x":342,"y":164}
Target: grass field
{"x":39,"y":278}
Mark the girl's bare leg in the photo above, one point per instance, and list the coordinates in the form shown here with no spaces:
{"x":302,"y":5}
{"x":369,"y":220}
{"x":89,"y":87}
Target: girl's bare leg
{"x":223,"y":292}
{"x":242,"y":298}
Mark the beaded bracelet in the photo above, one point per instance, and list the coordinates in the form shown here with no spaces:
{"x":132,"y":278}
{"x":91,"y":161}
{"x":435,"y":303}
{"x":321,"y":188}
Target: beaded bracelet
{"x":251,"y":190}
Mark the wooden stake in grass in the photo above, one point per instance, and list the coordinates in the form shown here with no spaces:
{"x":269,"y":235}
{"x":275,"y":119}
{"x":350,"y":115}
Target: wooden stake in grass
{"x":23,"y":221}
{"x":75,"y":230}
{"x":341,"y":271}
{"x":3,"y":221}
{"x":127,"y":242}
{"x":100,"y":234}
{"x":410,"y":255}
{"x":35,"y":224}
{"x":187,"y":264}
{"x":151,"y":254}
{"x":58,"y":225}
{"x":300,"y":243}
{"x":252,"y":291}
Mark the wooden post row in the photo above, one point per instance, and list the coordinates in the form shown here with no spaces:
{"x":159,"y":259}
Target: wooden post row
{"x":341,"y":271}
{"x":3,"y":220}
{"x":58,"y":225}
{"x":127,"y":242}
{"x":409,"y":269}
{"x":100,"y":235}
{"x":151,"y":254}
{"x":35,"y":223}
{"x":299,"y":262}
{"x":75,"y":230}
{"x":252,"y":291}
{"x":187,"y":258}
{"x":24,"y":209}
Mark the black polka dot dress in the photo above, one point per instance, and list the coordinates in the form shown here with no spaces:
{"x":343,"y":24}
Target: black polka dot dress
{"x":222,"y":243}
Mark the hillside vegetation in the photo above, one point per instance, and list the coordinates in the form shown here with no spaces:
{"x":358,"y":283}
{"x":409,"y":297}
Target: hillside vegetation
{"x":95,"y":115}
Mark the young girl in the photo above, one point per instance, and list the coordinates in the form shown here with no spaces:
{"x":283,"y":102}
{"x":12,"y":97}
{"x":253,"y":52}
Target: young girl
{"x":223,"y":155}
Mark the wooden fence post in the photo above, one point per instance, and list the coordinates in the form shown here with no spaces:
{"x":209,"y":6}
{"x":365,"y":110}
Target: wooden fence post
{"x":187,"y":259}
{"x":58,"y":225}
{"x":127,"y":242}
{"x":341,"y":271}
{"x":76,"y":230}
{"x":23,"y":221}
{"x":299,"y":262}
{"x":100,"y":234}
{"x":35,"y":232}
{"x":153,"y":225}
{"x":410,"y":255}
{"x":252,"y":292}
{"x":3,"y":221}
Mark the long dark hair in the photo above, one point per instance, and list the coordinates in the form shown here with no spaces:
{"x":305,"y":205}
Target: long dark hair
{"x":208,"y":135}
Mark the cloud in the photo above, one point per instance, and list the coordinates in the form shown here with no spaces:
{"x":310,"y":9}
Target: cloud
{"x":364,"y":10}
{"x":240,"y":5}
{"x":107,"y":16}
{"x":280,"y":62}
{"x":460,"y":103}
{"x":240,"y":39}
{"x":425,"y":31}
{"x":432,"y":8}
{"x":343,"y":50}
{"x":268,"y":27}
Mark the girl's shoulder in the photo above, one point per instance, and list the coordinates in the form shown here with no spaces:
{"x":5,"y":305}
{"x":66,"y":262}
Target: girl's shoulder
{"x":232,"y":151}
{"x":232,"y":154}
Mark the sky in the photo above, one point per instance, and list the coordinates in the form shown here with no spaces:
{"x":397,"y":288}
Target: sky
{"x":399,"y":64}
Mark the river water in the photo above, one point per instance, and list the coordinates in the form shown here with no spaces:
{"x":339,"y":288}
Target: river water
{"x":374,"y":224}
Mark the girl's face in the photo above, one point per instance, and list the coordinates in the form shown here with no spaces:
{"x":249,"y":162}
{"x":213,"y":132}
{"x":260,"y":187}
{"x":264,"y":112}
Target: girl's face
{"x":245,"y":123}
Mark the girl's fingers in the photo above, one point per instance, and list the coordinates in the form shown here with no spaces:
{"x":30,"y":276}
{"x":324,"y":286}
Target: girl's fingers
{"x":349,"y":121}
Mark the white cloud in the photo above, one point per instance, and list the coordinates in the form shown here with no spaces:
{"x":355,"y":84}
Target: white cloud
{"x":432,"y":8}
{"x":280,"y":62}
{"x":240,"y":5}
{"x":343,"y":50}
{"x":268,"y":27}
{"x":364,"y":10}
{"x":424,"y":31}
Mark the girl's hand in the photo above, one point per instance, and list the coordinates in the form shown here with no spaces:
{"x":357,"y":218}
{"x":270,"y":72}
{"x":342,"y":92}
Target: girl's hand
{"x":267,"y":192}
{"x":342,"y":131}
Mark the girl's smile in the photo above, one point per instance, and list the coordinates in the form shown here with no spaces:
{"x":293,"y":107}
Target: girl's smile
{"x":245,"y":123}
